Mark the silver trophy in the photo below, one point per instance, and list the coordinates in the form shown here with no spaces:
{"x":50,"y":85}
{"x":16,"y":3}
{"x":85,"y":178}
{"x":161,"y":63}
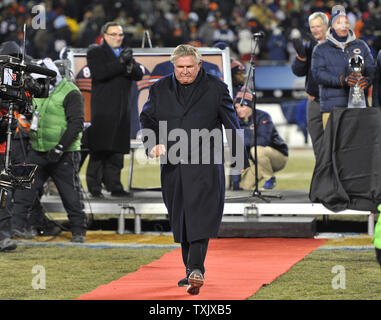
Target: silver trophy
{"x":356,"y":94}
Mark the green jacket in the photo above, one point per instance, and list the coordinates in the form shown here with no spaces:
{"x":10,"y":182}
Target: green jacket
{"x":377,"y":233}
{"x":52,"y":121}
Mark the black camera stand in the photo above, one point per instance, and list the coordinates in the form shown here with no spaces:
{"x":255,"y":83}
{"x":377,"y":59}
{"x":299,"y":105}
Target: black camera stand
{"x":251,"y":76}
{"x":4,"y":191}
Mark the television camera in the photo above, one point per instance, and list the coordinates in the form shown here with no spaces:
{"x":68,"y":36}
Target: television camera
{"x":19,"y":84}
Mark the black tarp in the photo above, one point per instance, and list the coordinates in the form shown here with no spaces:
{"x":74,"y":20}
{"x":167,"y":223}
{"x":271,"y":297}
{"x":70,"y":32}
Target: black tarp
{"x":347,"y":173}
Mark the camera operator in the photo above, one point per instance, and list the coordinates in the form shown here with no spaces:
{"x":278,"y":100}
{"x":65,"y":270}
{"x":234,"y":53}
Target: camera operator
{"x":55,"y":135}
{"x":19,"y":148}
{"x":10,"y":48}
{"x":112,"y":70}
{"x":301,"y":66}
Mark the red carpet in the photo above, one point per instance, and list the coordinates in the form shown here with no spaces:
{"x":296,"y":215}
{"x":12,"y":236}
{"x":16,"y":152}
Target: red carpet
{"x":235,"y":270}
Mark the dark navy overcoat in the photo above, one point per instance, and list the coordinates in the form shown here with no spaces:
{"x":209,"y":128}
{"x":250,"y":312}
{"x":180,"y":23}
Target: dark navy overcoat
{"x":193,"y":192}
{"x":110,"y":100}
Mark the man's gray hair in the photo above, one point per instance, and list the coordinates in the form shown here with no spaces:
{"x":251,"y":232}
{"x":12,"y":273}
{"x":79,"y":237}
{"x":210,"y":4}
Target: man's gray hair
{"x":321,"y":15}
{"x":185,"y":50}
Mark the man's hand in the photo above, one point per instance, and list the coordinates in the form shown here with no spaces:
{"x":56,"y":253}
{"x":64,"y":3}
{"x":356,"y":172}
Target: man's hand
{"x":126,"y":56}
{"x":55,"y":154}
{"x":299,"y":48}
{"x":157,"y":151}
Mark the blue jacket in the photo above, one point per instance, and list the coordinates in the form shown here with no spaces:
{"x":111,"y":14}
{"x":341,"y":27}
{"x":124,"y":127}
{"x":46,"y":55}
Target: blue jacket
{"x":330,"y":66}
{"x":303,"y":68}
{"x":376,"y":97}
{"x":267,"y":134}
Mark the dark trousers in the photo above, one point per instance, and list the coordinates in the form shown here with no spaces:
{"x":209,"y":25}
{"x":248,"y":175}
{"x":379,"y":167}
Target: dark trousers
{"x":106,"y":167}
{"x":315,"y":125}
{"x":20,"y":148}
{"x":193,"y":252}
{"x":65,"y":176}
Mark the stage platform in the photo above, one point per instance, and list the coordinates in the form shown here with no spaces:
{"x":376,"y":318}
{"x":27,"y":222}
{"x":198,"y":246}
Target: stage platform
{"x":241,"y":208}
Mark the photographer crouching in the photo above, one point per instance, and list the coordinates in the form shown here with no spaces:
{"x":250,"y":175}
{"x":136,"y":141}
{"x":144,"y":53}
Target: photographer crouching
{"x":55,"y":135}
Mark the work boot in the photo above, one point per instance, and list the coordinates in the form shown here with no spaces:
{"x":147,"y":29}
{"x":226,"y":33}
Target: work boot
{"x":78,"y":238}
{"x":48,"y":228}
{"x":8,"y":244}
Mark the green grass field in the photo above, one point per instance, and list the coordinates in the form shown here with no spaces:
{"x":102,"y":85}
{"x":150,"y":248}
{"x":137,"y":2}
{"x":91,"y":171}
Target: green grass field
{"x":296,"y":176}
{"x":72,"y":271}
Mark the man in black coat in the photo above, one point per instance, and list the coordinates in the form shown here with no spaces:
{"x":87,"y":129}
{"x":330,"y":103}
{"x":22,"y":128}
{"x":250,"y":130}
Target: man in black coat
{"x":112,"y":70}
{"x":301,"y":66}
{"x":182,"y":109}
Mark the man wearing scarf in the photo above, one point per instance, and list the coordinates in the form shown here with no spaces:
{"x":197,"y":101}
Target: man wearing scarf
{"x":330,"y":64}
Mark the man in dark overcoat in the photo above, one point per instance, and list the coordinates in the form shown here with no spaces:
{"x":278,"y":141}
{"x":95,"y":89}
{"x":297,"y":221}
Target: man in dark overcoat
{"x":180,"y":106}
{"x":112,"y":70}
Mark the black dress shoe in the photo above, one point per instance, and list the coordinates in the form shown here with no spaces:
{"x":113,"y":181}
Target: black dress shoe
{"x":183,"y":282}
{"x":196,"y":281}
{"x":120,"y":193}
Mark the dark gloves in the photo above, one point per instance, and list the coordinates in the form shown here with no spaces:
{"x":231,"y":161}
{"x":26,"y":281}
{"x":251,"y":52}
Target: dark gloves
{"x":299,"y":47}
{"x":55,"y":154}
{"x":126,"y":57}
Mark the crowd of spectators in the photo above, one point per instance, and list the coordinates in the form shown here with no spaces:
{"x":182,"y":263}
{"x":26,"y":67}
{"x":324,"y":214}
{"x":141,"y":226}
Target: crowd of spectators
{"x":171,"y":22}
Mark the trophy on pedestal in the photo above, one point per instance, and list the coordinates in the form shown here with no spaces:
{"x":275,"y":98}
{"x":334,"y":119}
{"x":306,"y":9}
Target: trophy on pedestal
{"x":356,"y":94}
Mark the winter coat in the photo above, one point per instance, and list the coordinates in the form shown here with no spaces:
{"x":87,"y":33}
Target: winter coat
{"x":110,"y":100}
{"x":376,"y":94}
{"x":330,"y":66}
{"x":194,"y":194}
{"x":267,"y":134}
{"x":303,"y":68}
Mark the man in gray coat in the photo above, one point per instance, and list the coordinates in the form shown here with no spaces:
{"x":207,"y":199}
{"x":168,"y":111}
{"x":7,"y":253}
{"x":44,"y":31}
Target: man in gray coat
{"x":185,"y":112}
